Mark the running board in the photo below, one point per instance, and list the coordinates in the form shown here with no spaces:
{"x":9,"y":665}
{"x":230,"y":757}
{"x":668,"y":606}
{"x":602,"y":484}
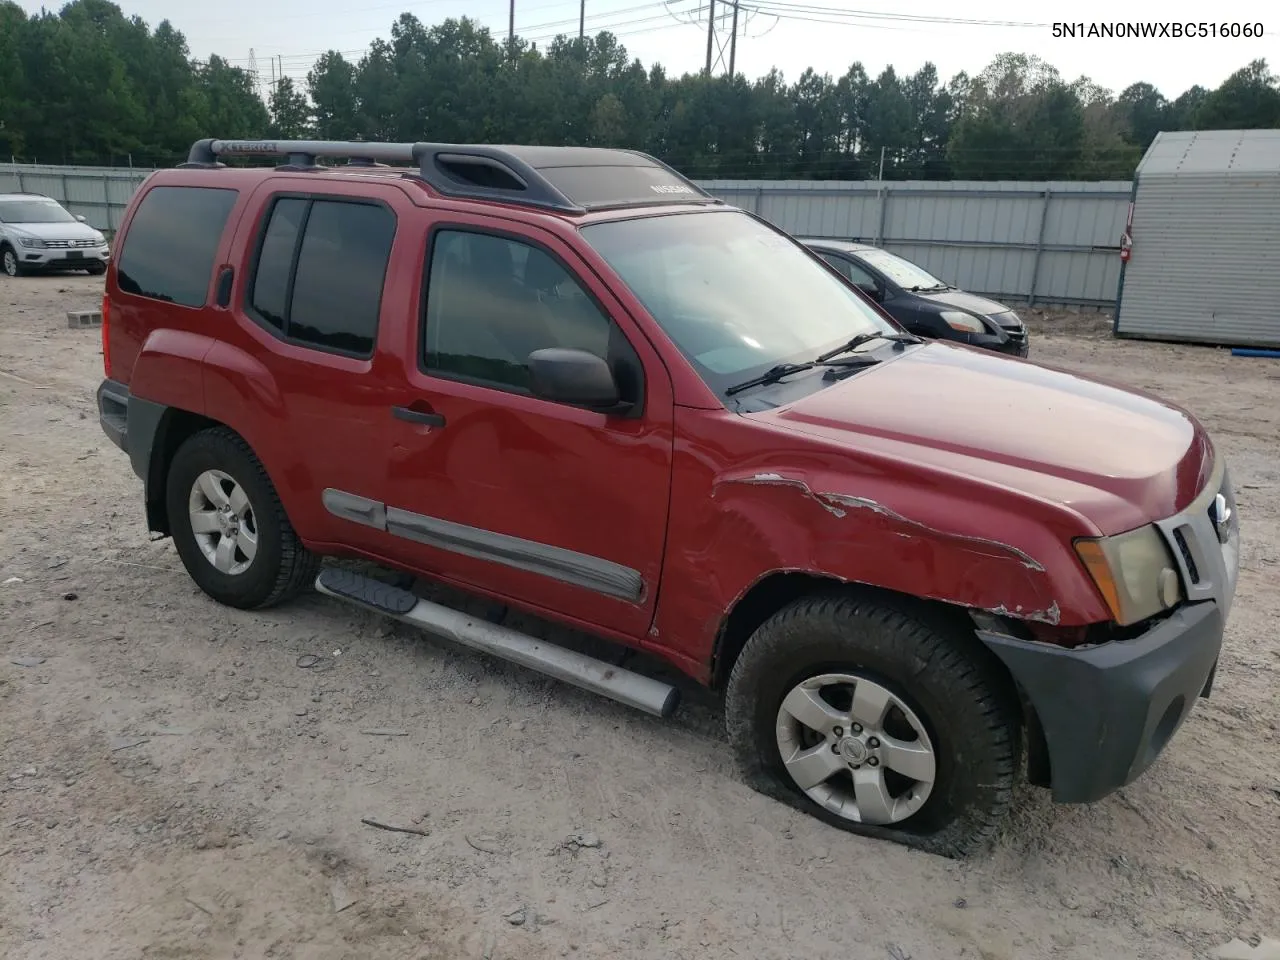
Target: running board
{"x":624,"y":686}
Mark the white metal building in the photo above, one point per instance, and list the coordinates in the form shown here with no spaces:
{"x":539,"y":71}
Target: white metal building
{"x":1204,"y":227}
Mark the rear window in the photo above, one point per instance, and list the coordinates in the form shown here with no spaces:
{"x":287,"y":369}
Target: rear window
{"x":172,"y":241}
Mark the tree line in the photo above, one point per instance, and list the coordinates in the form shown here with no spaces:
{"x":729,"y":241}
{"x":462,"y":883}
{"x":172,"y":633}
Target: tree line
{"x":90,"y":85}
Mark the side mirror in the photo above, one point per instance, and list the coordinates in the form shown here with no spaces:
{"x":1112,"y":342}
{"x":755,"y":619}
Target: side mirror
{"x":575,"y":377}
{"x":876,"y":293}
{"x":82,"y":219}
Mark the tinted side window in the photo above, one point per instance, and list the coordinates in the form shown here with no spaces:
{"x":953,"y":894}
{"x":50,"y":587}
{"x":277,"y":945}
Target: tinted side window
{"x":492,"y":301}
{"x":172,"y":241}
{"x":320,"y":270}
{"x":275,"y":261}
{"x":860,"y":276}
{"x":841,"y":264}
{"x":850,"y":270}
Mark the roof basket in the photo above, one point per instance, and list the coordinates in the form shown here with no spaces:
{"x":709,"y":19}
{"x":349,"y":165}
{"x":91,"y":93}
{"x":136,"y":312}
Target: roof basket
{"x":567,"y":179}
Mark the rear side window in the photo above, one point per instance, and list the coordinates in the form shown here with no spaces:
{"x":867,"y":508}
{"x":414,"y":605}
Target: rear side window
{"x":319,"y":272}
{"x":275,"y":261}
{"x":172,"y":242}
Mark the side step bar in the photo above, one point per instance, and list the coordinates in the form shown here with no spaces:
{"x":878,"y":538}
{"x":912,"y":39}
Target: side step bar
{"x":643,"y":693}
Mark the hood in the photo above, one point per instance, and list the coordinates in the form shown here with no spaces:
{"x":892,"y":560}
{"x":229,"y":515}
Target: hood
{"x":55,"y":231}
{"x":1118,"y":457}
{"x":969,"y":302}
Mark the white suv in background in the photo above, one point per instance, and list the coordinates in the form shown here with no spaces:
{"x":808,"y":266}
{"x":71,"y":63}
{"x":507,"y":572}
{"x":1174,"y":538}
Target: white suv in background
{"x":37,"y":233}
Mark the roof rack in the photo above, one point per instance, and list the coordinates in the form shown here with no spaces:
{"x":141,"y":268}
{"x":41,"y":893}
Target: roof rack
{"x":566,"y":179}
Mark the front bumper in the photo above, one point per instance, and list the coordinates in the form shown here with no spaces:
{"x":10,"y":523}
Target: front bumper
{"x":1108,"y":711}
{"x":62,"y":258}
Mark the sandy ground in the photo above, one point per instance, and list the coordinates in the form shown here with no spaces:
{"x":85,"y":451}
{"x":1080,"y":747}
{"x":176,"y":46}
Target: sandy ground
{"x":173,"y":785}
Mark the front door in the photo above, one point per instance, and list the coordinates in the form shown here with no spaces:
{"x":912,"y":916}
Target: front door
{"x":558,"y":507}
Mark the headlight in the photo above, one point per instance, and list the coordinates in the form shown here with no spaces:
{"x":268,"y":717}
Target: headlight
{"x":964,"y":322}
{"x":1134,"y":572}
{"x":99,"y":239}
{"x":31,"y":241}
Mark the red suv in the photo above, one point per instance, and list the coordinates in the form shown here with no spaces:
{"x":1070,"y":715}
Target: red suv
{"x":569,"y":380}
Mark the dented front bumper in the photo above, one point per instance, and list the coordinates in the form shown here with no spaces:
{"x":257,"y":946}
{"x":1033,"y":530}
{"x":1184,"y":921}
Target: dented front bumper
{"x":1107,"y":711}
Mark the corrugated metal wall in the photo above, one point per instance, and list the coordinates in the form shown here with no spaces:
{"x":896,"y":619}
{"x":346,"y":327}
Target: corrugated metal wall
{"x":1051,"y":242}
{"x":1048,"y":243}
{"x":1206,"y":260}
{"x":100,"y":194}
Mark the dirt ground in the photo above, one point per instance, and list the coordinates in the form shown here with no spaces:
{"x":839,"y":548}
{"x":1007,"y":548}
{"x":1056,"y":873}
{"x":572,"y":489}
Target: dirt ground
{"x":174,"y":785}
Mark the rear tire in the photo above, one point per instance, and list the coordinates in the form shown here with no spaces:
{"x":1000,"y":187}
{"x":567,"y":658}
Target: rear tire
{"x":877,"y":722}
{"x":10,"y":265}
{"x":229,"y":526}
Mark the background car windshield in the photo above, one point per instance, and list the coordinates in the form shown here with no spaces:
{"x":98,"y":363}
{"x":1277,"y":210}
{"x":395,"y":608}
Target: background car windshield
{"x":734,"y":295}
{"x":902,"y":272}
{"x":33,"y":211}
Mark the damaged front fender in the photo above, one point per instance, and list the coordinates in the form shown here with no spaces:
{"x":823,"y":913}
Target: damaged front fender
{"x":966,"y":553}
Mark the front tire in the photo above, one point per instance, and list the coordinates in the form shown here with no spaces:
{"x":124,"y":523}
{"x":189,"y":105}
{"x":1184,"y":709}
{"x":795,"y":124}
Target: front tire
{"x":97,"y":270}
{"x":229,"y":526}
{"x":878,"y":722}
{"x":10,"y":265}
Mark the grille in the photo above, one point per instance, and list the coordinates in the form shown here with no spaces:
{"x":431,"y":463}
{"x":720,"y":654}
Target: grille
{"x":69,"y":244}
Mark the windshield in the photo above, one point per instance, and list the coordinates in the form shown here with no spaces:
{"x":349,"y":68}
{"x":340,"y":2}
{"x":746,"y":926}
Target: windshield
{"x":735,"y":296}
{"x":902,"y":272}
{"x":33,"y":211}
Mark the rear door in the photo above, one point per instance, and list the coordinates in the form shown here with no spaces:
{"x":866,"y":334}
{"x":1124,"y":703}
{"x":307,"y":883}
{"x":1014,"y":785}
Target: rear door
{"x":558,"y":507}
{"x":302,"y":373}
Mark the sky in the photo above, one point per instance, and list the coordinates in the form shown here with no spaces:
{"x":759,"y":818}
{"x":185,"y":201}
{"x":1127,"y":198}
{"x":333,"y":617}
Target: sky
{"x":791,"y":35}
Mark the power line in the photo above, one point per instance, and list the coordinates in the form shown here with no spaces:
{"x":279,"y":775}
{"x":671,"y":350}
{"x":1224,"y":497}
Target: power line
{"x":532,"y":31}
{"x":823,"y":14}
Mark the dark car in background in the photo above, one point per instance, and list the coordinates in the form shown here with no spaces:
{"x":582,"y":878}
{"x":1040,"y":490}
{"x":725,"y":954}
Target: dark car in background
{"x":922,"y":303}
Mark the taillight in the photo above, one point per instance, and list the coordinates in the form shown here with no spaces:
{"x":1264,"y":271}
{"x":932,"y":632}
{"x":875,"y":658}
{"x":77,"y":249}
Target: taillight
{"x":106,"y":337}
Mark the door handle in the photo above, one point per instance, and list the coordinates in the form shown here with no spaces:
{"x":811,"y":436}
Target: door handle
{"x":427,"y":417}
{"x":222,"y":293}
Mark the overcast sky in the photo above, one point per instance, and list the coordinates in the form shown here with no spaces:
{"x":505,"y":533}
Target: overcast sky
{"x":792,"y":35}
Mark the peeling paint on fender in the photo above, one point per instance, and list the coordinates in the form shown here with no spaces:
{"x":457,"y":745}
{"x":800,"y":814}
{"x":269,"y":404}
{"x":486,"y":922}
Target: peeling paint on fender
{"x":842,"y":505}
{"x":1051,"y":615}
{"x":834,"y":503}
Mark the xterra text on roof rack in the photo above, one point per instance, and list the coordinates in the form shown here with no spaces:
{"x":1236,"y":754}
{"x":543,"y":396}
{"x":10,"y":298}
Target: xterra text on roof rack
{"x":570,"y":380}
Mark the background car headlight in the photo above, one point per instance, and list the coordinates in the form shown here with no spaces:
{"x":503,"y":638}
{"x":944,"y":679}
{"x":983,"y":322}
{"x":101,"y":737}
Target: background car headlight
{"x":100,"y":238}
{"x":1134,"y":572}
{"x":963,"y":322}
{"x":31,"y":241}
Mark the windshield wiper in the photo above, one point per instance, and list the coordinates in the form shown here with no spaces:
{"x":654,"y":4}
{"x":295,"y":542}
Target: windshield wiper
{"x":772,"y":375}
{"x":862,"y":338}
{"x":776,"y":373}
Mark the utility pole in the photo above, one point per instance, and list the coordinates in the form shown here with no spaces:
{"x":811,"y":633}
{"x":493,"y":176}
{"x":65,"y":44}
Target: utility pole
{"x":511,"y":23}
{"x":733,"y":40}
{"x":582,"y":19}
{"x":711,"y":31}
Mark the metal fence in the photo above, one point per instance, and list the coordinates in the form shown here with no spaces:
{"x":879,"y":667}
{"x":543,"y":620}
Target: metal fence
{"x":1048,"y":243}
{"x":99,"y":194}
{"x":1052,"y":243}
